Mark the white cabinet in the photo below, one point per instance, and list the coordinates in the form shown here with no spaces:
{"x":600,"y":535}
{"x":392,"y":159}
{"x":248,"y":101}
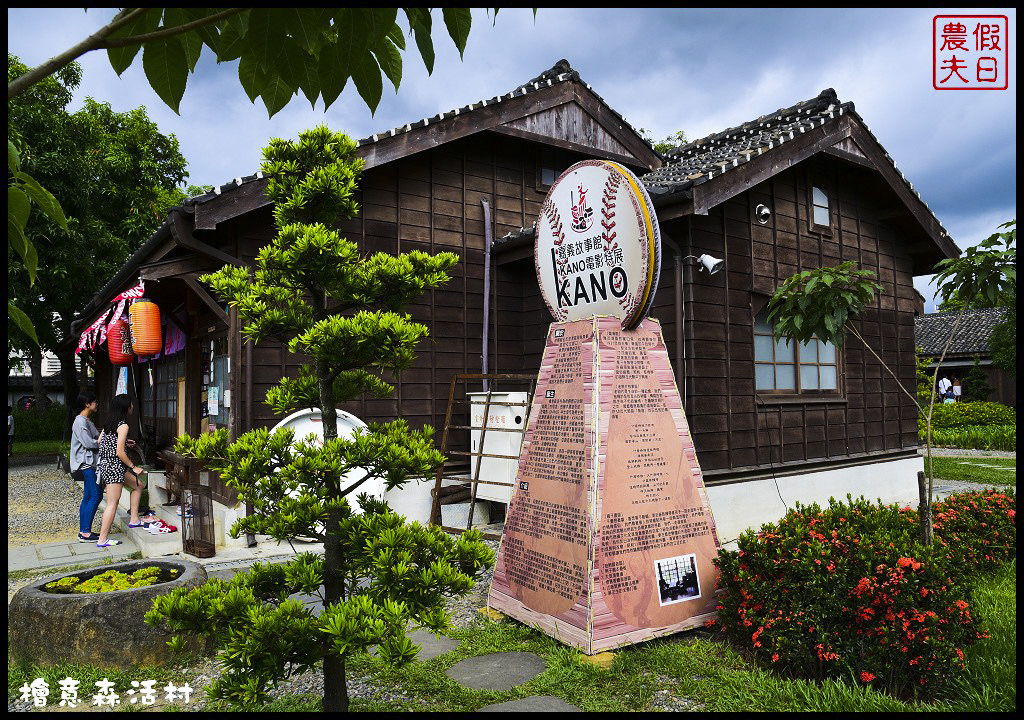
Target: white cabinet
{"x":506,"y":423}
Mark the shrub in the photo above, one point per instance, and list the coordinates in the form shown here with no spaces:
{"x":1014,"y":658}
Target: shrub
{"x":849,"y":592}
{"x":975,"y":437}
{"x":30,"y":425}
{"x":975,"y":532}
{"x":965,"y":414}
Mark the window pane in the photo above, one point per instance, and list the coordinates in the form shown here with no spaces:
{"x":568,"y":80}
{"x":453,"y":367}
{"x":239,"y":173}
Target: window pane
{"x":763,"y":347}
{"x":761,"y":325}
{"x":785,"y":377}
{"x":821,"y":215}
{"x":809,"y":352}
{"x":828,"y":377}
{"x":783,"y":350}
{"x":819,"y":197}
{"x":826,"y":352}
{"x":808,"y":377}
{"x":764,"y":377}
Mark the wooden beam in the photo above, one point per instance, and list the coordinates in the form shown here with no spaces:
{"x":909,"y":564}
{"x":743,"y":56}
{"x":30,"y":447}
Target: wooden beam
{"x":670,"y":207}
{"x":617,"y":127}
{"x":565,"y":145}
{"x":174,"y":268}
{"x":849,"y":157}
{"x":183,"y":236}
{"x":201,"y":293}
{"x":231,"y":204}
{"x":454,"y":127}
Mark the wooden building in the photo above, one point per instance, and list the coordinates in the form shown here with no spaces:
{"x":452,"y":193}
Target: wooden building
{"x":800,"y":188}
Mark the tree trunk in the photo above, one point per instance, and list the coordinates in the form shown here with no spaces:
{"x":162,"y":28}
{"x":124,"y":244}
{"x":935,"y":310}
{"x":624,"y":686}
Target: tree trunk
{"x":66,"y":355}
{"x":35,"y":364}
{"x":924,"y":508}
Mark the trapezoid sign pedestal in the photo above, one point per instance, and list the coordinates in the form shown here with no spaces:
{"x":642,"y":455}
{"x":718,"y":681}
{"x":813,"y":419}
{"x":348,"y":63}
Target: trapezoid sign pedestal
{"x":609,"y":538}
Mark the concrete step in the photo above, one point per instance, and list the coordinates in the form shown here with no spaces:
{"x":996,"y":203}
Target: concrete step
{"x":149,"y":544}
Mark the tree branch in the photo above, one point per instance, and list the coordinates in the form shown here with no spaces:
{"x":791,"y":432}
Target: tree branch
{"x":169,"y":32}
{"x":99,"y":41}
{"x":898,"y":382}
{"x":54,"y":64}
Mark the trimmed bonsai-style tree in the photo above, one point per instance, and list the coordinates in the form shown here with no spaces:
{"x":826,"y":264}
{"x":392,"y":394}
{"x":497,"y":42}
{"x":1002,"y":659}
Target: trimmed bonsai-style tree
{"x":819,"y":303}
{"x":378,"y":573}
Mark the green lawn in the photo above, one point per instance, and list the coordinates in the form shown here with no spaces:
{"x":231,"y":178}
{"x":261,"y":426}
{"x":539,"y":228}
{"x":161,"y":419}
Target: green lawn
{"x":38,"y":447}
{"x":986,"y":470}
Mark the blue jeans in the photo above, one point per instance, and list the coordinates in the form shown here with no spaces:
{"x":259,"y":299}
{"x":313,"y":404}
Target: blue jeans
{"x":90,"y":500}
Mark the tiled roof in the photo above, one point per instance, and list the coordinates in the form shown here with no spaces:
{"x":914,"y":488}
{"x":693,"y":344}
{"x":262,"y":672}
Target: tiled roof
{"x":932,"y":331}
{"x":701,"y":160}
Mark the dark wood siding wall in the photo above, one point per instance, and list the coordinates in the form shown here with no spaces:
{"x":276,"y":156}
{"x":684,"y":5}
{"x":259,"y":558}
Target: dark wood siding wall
{"x":738,"y":431}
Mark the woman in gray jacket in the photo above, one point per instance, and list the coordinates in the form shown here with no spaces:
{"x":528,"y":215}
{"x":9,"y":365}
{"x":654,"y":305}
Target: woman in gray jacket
{"x":84,"y":444}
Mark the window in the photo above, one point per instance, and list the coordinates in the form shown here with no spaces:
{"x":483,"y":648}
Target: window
{"x":819,"y":207}
{"x":550,"y":164}
{"x":162,"y":397}
{"x":786,"y":366}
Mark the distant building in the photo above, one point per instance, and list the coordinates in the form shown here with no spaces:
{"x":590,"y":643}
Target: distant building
{"x":932,"y":331}
{"x":19,"y":379}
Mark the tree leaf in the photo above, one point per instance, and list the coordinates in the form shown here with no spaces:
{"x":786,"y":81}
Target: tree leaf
{"x":44,"y":199}
{"x":21,"y":321}
{"x":13,"y":158}
{"x":395,"y":35}
{"x":379,"y":22}
{"x":390,"y":61}
{"x":275,"y":93}
{"x":121,"y":58}
{"x":251,"y":76}
{"x":458,"y":21}
{"x":292,"y":63}
{"x":306,"y":26}
{"x":419,"y":21}
{"x":266,"y":35}
{"x":209,"y":33}
{"x":166,"y":69}
{"x":367,"y":78}
{"x":332,"y":77}
{"x":352,"y":40}
{"x":191,"y":41}
{"x":18,"y":208}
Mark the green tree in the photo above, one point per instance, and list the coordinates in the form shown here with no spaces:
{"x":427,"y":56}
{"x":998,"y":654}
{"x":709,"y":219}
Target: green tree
{"x":377,"y":573}
{"x":925,"y":388}
{"x":975,"y":382}
{"x":672,"y":142}
{"x":1003,"y":341}
{"x":819,"y":303}
{"x":114,"y":174}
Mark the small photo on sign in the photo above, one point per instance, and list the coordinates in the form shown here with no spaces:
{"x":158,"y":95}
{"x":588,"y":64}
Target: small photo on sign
{"x":677,"y":578}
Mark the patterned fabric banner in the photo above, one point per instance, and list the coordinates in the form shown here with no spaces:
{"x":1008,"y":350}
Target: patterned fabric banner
{"x":97,"y":332}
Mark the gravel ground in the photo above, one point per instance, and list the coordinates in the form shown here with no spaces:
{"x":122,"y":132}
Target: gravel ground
{"x":42,"y":505}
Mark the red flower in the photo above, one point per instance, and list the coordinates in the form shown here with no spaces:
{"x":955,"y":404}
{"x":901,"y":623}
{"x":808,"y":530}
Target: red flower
{"x":866,"y":677}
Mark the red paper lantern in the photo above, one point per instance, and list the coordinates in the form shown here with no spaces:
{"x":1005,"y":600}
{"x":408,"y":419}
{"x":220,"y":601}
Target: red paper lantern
{"x":119,"y":343}
{"x":145,"y":320}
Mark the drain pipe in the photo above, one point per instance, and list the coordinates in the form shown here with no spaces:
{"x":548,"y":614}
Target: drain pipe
{"x":487,"y":286}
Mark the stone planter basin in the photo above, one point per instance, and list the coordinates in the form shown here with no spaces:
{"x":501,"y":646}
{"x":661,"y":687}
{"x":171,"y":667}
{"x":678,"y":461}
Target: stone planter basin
{"x":101,"y":629}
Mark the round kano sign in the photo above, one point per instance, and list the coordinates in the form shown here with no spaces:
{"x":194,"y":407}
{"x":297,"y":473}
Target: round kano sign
{"x":598,"y":246}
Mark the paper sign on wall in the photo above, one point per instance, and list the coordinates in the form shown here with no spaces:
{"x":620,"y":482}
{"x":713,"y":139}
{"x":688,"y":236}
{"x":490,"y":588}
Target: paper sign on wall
{"x":122,"y":382}
{"x":211,"y":401}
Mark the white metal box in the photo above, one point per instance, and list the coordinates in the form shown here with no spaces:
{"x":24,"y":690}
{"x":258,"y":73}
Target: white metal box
{"x":506,"y":423}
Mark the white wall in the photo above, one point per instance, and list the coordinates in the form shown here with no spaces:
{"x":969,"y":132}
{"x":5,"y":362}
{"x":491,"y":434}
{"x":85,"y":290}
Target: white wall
{"x":740,"y":506}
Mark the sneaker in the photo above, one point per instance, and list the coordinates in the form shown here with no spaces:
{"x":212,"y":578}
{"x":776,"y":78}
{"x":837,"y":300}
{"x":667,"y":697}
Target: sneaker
{"x":91,"y":537}
{"x":108,"y":543}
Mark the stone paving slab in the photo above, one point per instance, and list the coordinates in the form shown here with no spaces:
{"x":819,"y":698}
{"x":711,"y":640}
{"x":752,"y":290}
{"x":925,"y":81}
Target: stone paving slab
{"x":60,"y":554}
{"x":497,"y":671}
{"x":534,"y":703}
{"x":431,"y":645}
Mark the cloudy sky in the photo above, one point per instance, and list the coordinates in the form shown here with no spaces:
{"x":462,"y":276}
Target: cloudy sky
{"x":665,"y":70}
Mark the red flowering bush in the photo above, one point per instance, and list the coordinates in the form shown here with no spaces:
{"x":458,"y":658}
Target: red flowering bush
{"x":976,"y":532}
{"x":849,"y":591}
